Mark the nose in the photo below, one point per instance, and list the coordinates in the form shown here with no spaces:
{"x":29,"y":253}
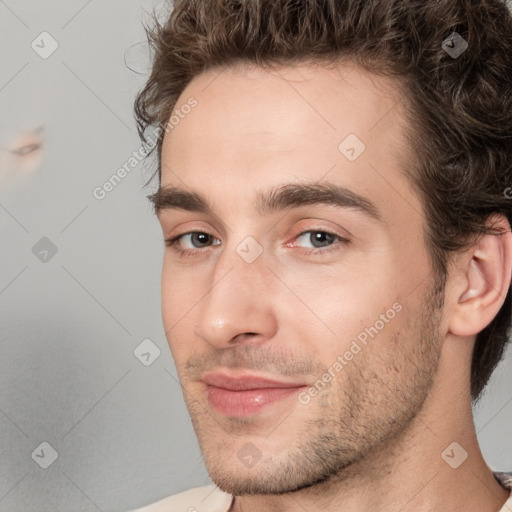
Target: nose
{"x":238,"y":309}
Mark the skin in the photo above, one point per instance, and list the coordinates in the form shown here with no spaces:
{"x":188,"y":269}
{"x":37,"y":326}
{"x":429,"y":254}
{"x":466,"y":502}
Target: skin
{"x":373,"y":436}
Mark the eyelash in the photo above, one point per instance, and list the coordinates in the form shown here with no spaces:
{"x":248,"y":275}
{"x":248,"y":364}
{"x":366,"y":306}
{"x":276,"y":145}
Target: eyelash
{"x":174,"y":243}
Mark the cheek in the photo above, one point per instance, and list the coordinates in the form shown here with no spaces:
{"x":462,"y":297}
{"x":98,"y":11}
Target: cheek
{"x":342,"y":302}
{"x":180,"y":290}
{"x":339,"y":315}
{"x":178,"y":300}
{"x":177,"y":333}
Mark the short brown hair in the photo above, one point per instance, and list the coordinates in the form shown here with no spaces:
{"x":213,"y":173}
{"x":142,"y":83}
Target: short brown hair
{"x":459,"y":108}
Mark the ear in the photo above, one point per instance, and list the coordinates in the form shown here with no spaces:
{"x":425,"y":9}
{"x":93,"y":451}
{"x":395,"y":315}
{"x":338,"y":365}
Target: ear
{"x":481,"y":280}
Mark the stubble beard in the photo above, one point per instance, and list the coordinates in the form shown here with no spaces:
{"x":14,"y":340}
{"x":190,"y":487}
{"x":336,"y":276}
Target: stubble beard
{"x":358,"y":421}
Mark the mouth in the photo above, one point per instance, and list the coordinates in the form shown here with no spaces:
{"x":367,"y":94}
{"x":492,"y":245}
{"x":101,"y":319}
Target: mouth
{"x":243,"y":394}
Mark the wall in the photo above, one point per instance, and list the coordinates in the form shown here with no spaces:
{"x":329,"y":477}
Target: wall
{"x":79,"y":278}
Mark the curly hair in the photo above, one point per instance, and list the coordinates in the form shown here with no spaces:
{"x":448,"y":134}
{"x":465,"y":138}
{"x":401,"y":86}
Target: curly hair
{"x":459,"y":107}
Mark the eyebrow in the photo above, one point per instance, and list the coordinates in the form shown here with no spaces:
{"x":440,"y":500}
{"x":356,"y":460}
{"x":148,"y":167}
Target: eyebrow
{"x":293,"y":195}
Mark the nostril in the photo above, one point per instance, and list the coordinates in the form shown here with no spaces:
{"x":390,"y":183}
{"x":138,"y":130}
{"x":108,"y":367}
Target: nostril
{"x":244,"y":336}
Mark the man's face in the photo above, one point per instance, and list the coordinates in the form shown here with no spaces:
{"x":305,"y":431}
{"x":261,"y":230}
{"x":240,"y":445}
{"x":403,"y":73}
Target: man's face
{"x":324,"y":293}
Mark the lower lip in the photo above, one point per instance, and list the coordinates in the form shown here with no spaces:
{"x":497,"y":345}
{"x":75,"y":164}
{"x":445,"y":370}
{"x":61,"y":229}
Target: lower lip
{"x":248,"y":402}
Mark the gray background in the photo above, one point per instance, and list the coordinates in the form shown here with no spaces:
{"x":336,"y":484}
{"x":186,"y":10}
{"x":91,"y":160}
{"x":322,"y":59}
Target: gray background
{"x":69,"y":325}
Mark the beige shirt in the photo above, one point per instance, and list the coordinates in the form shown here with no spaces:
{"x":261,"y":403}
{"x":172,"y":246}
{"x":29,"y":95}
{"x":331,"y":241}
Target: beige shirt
{"x":211,"y":499}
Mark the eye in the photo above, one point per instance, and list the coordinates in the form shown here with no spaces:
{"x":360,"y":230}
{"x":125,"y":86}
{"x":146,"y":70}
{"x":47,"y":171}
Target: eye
{"x":25,"y":150}
{"x":318,"y":242}
{"x":318,"y":239}
{"x":190,"y":242}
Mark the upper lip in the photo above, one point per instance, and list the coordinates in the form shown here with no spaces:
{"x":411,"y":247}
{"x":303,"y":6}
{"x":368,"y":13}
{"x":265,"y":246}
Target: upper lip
{"x":243,"y":381}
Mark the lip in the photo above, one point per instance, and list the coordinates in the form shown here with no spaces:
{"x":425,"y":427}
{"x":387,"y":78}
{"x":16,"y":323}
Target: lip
{"x":242,"y":381}
{"x":243,"y":394}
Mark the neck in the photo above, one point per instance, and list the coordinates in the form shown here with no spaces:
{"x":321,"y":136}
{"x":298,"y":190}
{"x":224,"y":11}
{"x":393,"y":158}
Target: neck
{"x":412,"y":472}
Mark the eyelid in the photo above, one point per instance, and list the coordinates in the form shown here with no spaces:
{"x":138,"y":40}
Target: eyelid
{"x":181,"y":225}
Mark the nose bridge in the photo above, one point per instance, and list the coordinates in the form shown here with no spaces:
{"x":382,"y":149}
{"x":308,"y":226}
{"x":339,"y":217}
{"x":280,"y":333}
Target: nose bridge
{"x":240,"y":267}
{"x":238,"y":301}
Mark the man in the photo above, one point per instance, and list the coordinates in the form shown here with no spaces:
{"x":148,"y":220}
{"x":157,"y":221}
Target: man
{"x":334,"y":195}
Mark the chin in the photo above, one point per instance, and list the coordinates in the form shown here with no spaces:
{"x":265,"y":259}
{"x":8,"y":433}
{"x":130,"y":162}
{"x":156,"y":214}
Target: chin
{"x":272,"y":476}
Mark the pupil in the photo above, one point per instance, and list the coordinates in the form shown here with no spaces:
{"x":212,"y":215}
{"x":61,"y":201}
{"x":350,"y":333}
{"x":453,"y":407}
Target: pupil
{"x":321,"y":239}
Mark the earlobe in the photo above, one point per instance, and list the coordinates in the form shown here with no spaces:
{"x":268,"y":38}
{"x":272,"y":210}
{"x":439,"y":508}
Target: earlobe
{"x":486,"y":280}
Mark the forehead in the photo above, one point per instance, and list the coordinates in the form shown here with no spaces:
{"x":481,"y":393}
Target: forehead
{"x":259,"y":126}
{"x":337,"y":97}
